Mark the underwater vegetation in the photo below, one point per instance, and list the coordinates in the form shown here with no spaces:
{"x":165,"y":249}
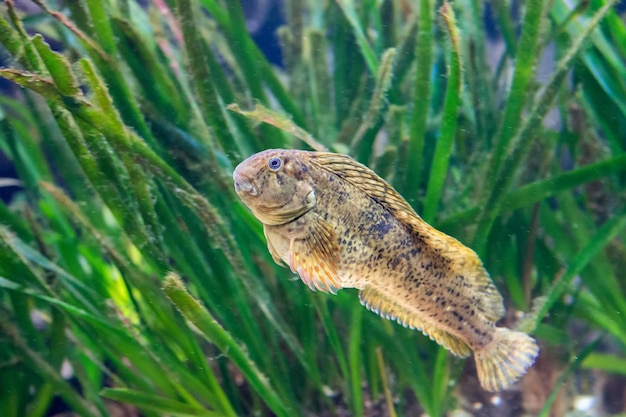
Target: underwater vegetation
{"x":133,"y":280}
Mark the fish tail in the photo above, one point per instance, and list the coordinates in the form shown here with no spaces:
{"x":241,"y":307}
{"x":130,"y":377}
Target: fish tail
{"x":505,"y":359}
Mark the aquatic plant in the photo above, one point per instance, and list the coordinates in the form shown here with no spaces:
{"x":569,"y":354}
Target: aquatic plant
{"x":131,"y":274}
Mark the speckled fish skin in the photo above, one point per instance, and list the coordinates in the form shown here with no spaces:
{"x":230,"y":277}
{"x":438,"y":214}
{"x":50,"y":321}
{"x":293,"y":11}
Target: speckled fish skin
{"x":339,"y":225}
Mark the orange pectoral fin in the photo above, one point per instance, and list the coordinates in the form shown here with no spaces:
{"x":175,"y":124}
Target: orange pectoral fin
{"x":315,"y":258}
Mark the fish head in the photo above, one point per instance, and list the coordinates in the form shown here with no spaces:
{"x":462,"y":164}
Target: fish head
{"x":275,"y":186}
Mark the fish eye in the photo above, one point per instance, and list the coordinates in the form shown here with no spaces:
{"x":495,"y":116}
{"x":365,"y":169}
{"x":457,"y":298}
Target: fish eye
{"x":274,"y":163}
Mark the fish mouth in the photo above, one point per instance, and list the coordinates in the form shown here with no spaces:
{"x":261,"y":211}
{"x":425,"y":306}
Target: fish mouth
{"x":244,"y":185}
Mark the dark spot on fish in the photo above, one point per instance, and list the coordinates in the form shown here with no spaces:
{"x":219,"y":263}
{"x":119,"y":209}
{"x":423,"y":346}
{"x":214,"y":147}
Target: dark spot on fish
{"x":393,"y":263}
{"x":342,"y":197}
{"x":380,"y":229}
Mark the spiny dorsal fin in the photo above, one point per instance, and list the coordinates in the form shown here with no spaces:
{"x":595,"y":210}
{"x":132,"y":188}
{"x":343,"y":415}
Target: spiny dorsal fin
{"x":376,"y":302}
{"x":464,"y":261}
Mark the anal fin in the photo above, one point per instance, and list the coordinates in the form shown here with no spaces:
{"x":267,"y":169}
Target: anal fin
{"x":378,"y":303}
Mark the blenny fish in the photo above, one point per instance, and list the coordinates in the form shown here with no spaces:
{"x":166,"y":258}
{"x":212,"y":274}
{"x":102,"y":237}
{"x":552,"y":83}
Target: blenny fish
{"x":337,"y":224}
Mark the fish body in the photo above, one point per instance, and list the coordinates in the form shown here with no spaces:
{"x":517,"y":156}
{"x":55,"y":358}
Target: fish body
{"x":339,"y":225}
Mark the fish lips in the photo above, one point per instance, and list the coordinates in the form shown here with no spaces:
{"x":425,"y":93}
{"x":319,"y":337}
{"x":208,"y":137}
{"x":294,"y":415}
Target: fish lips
{"x":244,"y":185}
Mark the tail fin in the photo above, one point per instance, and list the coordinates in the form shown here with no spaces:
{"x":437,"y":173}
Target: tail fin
{"x":505,"y":359}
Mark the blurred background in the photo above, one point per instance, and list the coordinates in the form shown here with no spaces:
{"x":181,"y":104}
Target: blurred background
{"x":133,"y":282}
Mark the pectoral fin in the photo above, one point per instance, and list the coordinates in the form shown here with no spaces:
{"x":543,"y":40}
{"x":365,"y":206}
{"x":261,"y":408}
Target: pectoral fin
{"x":374,"y":301}
{"x":316,"y":256}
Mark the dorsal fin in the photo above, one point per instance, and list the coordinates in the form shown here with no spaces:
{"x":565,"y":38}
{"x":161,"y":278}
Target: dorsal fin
{"x":462,"y":260}
{"x":370,"y":183}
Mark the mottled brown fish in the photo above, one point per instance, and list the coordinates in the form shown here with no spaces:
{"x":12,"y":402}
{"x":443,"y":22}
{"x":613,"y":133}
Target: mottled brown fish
{"x":339,"y":225}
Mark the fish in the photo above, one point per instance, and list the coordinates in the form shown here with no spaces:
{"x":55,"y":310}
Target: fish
{"x":337,"y":224}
